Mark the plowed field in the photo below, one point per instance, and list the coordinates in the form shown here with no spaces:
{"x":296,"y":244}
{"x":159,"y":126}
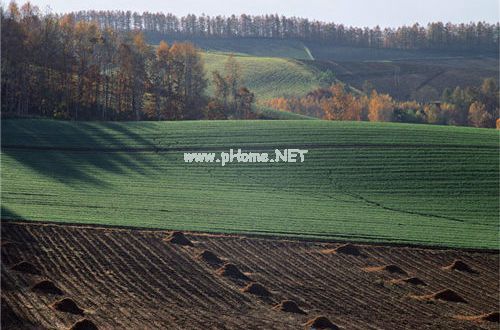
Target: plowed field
{"x":139,"y":279}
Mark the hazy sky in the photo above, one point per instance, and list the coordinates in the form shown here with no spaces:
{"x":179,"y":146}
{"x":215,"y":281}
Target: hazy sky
{"x":350,"y":12}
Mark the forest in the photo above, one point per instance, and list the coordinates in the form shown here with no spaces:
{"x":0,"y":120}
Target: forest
{"x":474,"y":36}
{"x":99,"y":66}
{"x":476,"y":106}
{"x":54,"y":66}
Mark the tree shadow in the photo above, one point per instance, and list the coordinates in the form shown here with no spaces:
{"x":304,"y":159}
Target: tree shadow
{"x":75,"y":152}
{"x":8,"y":214}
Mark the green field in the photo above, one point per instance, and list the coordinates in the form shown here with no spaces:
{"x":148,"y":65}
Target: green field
{"x":412,"y":79}
{"x":275,"y":68}
{"x":267,"y":77}
{"x":286,"y":48}
{"x":412,"y":184}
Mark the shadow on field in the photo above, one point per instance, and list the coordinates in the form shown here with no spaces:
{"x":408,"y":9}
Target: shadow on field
{"x":74,"y":152}
{"x":7,"y":213}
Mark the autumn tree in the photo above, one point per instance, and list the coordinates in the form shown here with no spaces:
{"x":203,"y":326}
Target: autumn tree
{"x":479,"y":117}
{"x":188,"y":81}
{"x":232,"y":99}
{"x":433,"y":114}
{"x":490,"y":96}
{"x":244,"y":101}
{"x":340,"y":105}
{"x":232,"y":70}
{"x":380,"y":107}
{"x":221,"y":92}
{"x":161,"y":82}
{"x":13,"y":61}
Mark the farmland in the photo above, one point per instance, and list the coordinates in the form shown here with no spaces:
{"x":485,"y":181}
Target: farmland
{"x":258,"y":47}
{"x":372,"y":182}
{"x":421,"y":77}
{"x":121,"y":207}
{"x":119,"y":278}
{"x":268,"y":77}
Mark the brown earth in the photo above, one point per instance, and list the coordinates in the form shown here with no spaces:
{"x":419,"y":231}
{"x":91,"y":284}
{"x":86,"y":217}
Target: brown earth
{"x":460,"y":266}
{"x":46,"y":286}
{"x":134,"y":279}
{"x":210,"y":257}
{"x":289,"y":306}
{"x":84,"y":324}
{"x":26,"y":267}
{"x":321,"y":322}
{"x":394,"y":269}
{"x":230,"y":270}
{"x":178,"y":237}
{"x":408,"y":280}
{"x":444,"y":295}
{"x":490,"y":317}
{"x":256,"y":289}
{"x":67,"y":305}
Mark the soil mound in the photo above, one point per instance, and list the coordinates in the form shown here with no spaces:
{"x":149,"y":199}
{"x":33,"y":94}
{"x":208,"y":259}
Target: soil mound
{"x":230,"y":270}
{"x":488,"y":317}
{"x":67,"y":305}
{"x":409,"y":280}
{"x":210,"y":257}
{"x":178,"y":237}
{"x":289,"y":306}
{"x":321,"y":322}
{"x":448,"y":295}
{"x":349,"y":249}
{"x":393,"y":269}
{"x":256,"y":289}
{"x":444,"y":295}
{"x":46,"y":286}
{"x":460,"y":266}
{"x":26,"y":267}
{"x":84,"y":324}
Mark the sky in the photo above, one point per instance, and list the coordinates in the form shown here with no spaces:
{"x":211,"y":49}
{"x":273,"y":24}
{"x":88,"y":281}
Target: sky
{"x":350,"y":12}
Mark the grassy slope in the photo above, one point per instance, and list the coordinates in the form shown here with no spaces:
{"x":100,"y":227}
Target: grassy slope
{"x":268,"y":77}
{"x":361,"y":181}
{"x":273,"y":68}
{"x":250,"y":46}
{"x":322,"y":51}
{"x":264,"y":112}
{"x":423,"y":80}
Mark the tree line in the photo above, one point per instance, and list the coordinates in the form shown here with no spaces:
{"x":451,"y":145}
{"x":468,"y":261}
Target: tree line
{"x":471,"y":106}
{"x":55,"y":66}
{"x":437,"y":35}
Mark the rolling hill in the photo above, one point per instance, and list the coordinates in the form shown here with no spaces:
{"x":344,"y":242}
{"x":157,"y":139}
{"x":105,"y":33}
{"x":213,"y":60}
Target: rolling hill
{"x":275,"y":68}
{"x":395,"y":183}
{"x":413,"y":79}
{"x":260,"y":47}
{"x":268,"y":77}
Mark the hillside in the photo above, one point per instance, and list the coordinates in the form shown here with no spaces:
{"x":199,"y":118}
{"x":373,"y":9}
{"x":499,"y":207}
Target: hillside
{"x":327,"y":52}
{"x":267,"y":77}
{"x":405,"y":75}
{"x":261,"y":47}
{"x":288,"y":67}
{"x":421,"y":79}
{"x":411,"y":184}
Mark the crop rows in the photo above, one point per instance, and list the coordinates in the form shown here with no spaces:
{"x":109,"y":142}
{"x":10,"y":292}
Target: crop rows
{"x":388,"y":183}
